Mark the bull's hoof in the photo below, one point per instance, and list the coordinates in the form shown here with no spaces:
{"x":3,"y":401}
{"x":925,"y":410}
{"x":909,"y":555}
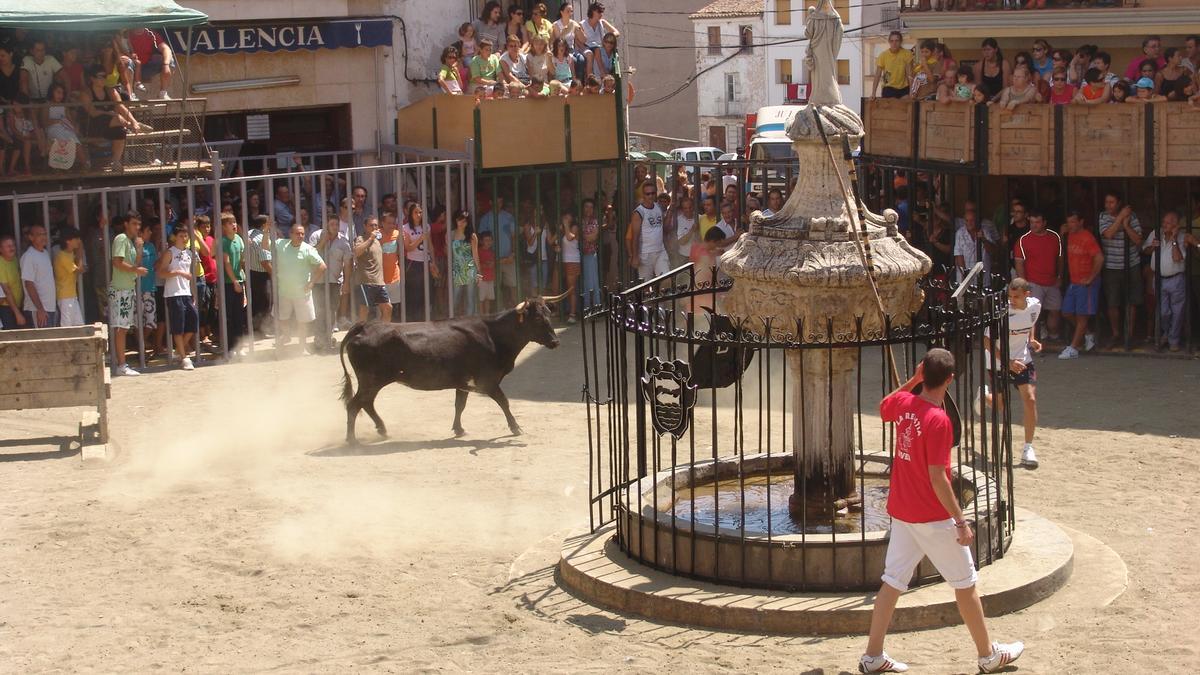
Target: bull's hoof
{"x":382,"y":432}
{"x":351,"y":441}
{"x":459,"y":432}
{"x":515,"y":429}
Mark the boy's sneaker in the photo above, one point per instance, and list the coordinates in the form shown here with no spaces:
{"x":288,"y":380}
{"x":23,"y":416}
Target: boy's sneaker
{"x":880,"y":664}
{"x":187,"y":364}
{"x":139,"y":86}
{"x":1089,"y":342}
{"x":1002,"y":655}
{"x":1069,"y":353}
{"x":125,"y":370}
{"x":164,"y":95}
{"x":1028,"y":458}
{"x":984,"y":391}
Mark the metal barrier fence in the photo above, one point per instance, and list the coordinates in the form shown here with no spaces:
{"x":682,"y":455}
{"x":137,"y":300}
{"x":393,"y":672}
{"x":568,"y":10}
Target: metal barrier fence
{"x":701,"y":424}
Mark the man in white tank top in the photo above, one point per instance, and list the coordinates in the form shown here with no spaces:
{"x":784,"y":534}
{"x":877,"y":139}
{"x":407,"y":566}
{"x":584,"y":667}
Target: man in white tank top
{"x":685,"y":231}
{"x":647,"y":250}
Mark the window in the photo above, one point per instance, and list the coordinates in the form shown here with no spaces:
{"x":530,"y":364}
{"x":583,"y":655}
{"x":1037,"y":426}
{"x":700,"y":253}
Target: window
{"x":783,"y":12}
{"x":691,"y":156}
{"x":733,"y":90}
{"x":783,"y":71}
{"x":714,"y":40}
{"x":747,"y":39}
{"x":843,"y":71}
{"x":843,"y":9}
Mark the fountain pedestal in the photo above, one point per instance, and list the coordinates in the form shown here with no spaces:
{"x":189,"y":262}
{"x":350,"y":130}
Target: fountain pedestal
{"x":803,"y":269}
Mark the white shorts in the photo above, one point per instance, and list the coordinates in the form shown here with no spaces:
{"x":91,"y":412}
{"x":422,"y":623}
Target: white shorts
{"x":300,"y":308}
{"x":487,"y":291}
{"x":1049,"y":296}
{"x":910,"y":542}
{"x":651,"y":265}
{"x":69,"y":313}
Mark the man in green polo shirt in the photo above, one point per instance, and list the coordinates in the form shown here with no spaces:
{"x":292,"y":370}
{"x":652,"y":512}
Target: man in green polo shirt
{"x":298,"y":267}
{"x":122,"y":296}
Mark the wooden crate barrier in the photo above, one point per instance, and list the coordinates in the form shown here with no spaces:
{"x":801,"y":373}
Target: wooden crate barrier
{"x":947,"y":132}
{"x":56,"y":368}
{"x":1176,"y":140}
{"x":1104,"y":141}
{"x":1021,"y":141}
{"x":889,"y":127}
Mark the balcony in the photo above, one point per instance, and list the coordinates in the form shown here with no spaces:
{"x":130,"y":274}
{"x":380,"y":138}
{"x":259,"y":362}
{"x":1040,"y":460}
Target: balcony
{"x":515,"y":132}
{"x":1059,"y":18}
{"x":63,"y":146}
{"x":1103,"y":141}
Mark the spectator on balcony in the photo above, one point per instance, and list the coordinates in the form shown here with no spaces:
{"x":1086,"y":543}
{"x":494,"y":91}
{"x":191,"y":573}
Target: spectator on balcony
{"x":118,"y":69}
{"x":10,"y":76}
{"x":893,"y":67}
{"x":1173,"y":79}
{"x":539,"y":63}
{"x":1168,"y":257}
{"x":514,"y":64}
{"x":1021,"y":91}
{"x":1085,"y":261}
{"x":151,"y":52}
{"x":992,"y":72}
{"x":1038,"y":258}
{"x":1151,"y":48}
{"x":927,"y":73}
{"x":107,"y":118}
{"x":485,"y":71}
{"x":490,"y":25}
{"x":449,"y":73}
{"x":1103,"y":62}
{"x":603,"y":63}
{"x":1121,"y":235}
{"x":57,"y":121}
{"x":962,"y":88}
{"x":563,"y":66}
{"x":1080,"y":62}
{"x":1145,"y":92}
{"x":594,"y":30}
{"x":1191,"y":53}
{"x":71,"y":74}
{"x":23,"y":134}
{"x":1061,"y":91}
{"x":1120,"y":93}
{"x":38,"y":72}
{"x":466,"y":47}
{"x":567,"y":29}
{"x":539,"y":25}
{"x":516,"y":26}
{"x":1043,"y":60}
{"x":1095,"y":91}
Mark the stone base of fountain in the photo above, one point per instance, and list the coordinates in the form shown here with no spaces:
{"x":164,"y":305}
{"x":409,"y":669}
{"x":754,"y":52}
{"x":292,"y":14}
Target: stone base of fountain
{"x":1039,"y":563}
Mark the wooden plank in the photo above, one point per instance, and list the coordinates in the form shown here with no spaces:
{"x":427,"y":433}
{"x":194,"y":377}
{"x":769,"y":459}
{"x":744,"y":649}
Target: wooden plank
{"x":55,"y":385}
{"x":69,"y":345}
{"x":1182,"y":168}
{"x":47,"y":400}
{"x":82,"y":361}
{"x":38,"y":334}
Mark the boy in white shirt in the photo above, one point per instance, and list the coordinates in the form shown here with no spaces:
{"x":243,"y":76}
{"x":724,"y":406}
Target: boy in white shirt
{"x":1023,"y":313}
{"x":175,"y":268}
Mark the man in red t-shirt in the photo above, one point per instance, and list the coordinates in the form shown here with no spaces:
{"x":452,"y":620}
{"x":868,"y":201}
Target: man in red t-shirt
{"x":1085,"y":260}
{"x":926,"y":517}
{"x":151,"y":51}
{"x":1038,"y":257}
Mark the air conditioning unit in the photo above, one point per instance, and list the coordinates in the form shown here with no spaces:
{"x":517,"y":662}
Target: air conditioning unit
{"x":797,"y":92}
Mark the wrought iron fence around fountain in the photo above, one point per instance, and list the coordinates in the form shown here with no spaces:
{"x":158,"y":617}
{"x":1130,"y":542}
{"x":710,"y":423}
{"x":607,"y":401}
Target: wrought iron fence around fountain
{"x":700,"y":425}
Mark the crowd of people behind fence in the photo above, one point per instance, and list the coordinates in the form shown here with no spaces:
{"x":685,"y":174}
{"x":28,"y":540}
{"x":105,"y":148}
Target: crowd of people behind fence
{"x":63,"y":94}
{"x":505,"y":54}
{"x":1080,"y":76}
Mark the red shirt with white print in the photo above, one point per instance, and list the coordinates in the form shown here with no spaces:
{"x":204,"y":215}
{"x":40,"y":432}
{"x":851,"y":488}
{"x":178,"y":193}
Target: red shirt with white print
{"x":923,"y":439}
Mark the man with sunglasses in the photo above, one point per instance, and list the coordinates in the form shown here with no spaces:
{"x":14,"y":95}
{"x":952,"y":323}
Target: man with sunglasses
{"x":646,"y":248}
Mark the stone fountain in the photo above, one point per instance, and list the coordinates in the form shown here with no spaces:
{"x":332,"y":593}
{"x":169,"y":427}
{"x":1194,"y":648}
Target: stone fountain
{"x":804,"y":268}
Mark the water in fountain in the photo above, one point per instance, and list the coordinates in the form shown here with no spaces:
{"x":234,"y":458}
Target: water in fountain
{"x":722,"y":503}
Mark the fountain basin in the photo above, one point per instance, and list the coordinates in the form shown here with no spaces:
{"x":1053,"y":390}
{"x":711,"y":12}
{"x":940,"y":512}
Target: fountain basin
{"x":654,"y":531}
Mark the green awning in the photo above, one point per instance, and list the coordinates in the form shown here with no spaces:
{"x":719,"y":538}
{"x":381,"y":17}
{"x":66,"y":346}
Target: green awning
{"x":98,"y":15}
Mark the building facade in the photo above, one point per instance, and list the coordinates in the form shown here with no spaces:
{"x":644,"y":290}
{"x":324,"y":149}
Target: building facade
{"x":731,"y":80}
{"x":658,"y":45}
{"x":783,"y":33}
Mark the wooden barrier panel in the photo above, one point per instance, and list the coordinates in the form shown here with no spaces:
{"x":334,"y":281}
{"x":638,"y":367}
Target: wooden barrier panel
{"x":947,"y":131}
{"x":1021,"y":141}
{"x":55,"y":368}
{"x":889,"y":127}
{"x":1176,"y":140}
{"x":1104,"y":141}
{"x":517,"y":132}
{"x":593,"y":128}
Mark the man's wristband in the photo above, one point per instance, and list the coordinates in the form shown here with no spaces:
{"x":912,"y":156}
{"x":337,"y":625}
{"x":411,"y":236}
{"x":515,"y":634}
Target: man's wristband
{"x":960,"y":523}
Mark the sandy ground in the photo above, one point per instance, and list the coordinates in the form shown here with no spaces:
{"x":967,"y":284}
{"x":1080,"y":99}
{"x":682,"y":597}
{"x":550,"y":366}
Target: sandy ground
{"x":234,"y":533}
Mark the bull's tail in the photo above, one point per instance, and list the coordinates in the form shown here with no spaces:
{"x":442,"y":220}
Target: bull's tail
{"x":347,"y":387}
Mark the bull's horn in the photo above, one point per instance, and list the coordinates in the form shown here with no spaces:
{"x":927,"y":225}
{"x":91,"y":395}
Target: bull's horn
{"x":520,"y":306}
{"x":558,"y":297}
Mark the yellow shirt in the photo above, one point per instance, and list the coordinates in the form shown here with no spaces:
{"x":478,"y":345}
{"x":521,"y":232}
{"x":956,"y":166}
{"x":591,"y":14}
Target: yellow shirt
{"x":10,"y":275}
{"x":706,"y":224}
{"x":65,"y":273}
{"x":895,"y":67}
{"x":542,"y":29}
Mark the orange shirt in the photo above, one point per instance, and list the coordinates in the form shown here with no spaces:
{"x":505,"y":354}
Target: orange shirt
{"x":391,"y":245}
{"x":1081,"y":252}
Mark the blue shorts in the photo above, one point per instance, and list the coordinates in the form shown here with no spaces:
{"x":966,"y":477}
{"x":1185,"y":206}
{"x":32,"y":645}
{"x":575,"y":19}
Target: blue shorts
{"x":1027,"y":376}
{"x":1082,"y":300}
{"x":374,"y":294}
{"x":184,"y":317}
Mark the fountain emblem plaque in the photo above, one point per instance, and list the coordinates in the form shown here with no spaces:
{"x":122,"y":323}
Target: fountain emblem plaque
{"x":667,"y":386}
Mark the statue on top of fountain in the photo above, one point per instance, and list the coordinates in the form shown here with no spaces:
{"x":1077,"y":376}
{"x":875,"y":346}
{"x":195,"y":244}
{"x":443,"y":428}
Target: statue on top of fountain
{"x":823,"y":28}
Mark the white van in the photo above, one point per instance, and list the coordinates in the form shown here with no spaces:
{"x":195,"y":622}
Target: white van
{"x":770,"y":143}
{"x":696,"y":153}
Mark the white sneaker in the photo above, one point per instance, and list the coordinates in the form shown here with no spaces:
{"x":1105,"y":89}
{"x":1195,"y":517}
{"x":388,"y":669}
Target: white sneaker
{"x":139,"y":86}
{"x":1028,"y":458}
{"x":1002,"y":655}
{"x":880,"y":664}
{"x":187,"y":364}
{"x":1089,"y":342}
{"x":979,"y":403}
{"x":164,"y":95}
{"x":1069,"y":353}
{"x":125,"y":370}
{"x":133,"y":96}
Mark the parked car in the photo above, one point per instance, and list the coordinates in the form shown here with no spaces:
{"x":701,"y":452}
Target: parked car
{"x":695,"y":153}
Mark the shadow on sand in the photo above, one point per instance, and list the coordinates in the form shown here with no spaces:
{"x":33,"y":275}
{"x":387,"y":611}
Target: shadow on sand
{"x":392,"y":447}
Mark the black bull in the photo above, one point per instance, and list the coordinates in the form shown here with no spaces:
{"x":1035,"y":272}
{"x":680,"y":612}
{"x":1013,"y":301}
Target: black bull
{"x":465,"y":354}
